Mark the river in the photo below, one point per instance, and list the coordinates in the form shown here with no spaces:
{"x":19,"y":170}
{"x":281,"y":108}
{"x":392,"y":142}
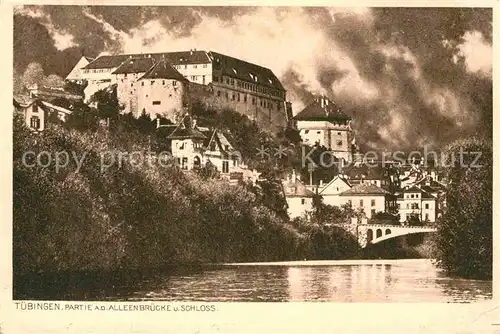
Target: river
{"x":414,"y":280}
{"x":339,"y":281}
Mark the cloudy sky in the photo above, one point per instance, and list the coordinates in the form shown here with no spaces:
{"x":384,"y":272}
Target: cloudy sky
{"x":409,"y":76}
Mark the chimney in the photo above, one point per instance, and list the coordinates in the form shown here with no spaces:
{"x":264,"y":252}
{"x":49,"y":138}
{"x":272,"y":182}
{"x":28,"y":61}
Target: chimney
{"x":194,"y":123}
{"x":321,"y":183}
{"x":322,"y":101}
{"x":191,"y":52}
{"x":294,"y":176}
{"x":157,"y":122}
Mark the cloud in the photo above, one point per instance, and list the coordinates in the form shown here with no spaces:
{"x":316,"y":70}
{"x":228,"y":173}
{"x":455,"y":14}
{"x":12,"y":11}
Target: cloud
{"x":477,"y":53}
{"x":62,"y":39}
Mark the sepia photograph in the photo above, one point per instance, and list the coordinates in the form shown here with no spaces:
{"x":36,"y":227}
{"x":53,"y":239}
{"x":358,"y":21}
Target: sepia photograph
{"x":251,"y":154}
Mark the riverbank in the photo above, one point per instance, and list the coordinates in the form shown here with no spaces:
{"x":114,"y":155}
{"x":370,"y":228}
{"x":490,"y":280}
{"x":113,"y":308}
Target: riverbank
{"x":315,"y":263}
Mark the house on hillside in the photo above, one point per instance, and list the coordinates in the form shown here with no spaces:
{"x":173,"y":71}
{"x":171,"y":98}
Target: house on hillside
{"x":323,"y":123}
{"x":37,"y":113}
{"x":415,"y":203}
{"x":195,"y":147}
{"x":332,"y":190}
{"x":299,"y":199}
{"x":366,"y":197}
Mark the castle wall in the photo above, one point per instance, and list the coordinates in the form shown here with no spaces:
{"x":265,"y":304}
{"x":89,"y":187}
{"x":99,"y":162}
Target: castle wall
{"x":161,"y":97}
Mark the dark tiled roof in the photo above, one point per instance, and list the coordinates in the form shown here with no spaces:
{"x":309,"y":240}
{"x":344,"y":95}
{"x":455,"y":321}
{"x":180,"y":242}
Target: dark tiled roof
{"x":163,"y":70}
{"x":135,"y":65}
{"x":412,"y":189}
{"x":178,"y":58}
{"x":364,"y":189}
{"x":242,"y":70}
{"x":315,"y":112}
{"x":186,"y":133}
{"x":296,"y":189}
{"x":426,"y":195}
{"x":106,"y":62}
{"x":369,"y":172}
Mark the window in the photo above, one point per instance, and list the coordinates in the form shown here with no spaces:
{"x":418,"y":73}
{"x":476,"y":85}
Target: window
{"x":426,"y":216}
{"x":232,"y":97}
{"x":245,"y":98}
{"x":302,"y":201}
{"x":193,"y":77}
{"x":35,"y":122}
{"x":339,"y":133}
{"x":227,"y":95}
{"x":349,"y":202}
{"x":414,"y":206}
{"x":399,"y":206}
{"x":373,"y":202}
{"x":185,"y":66}
{"x":238,"y":97}
{"x":163,"y":82}
{"x":361,"y":203}
{"x":226,"y":147}
{"x":253,"y":100}
{"x":412,"y":196}
{"x":426,"y":205}
{"x":195,"y":66}
{"x":142,"y":83}
{"x":205,"y":65}
{"x":225,"y":167}
{"x":132,"y":85}
{"x":319,"y":132}
{"x":227,"y":81}
{"x":218,"y":93}
{"x":156,"y":103}
{"x":203,"y":79}
{"x":407,"y":205}
{"x":35,"y":108}
{"x":339,"y":142}
{"x":174,"y":83}
{"x":152,"y":82}
{"x":373,"y":212}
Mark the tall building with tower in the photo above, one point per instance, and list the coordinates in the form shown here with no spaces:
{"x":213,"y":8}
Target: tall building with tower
{"x":323,"y":123}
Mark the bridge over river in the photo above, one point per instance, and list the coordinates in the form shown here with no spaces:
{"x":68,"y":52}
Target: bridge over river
{"x":375,"y":233}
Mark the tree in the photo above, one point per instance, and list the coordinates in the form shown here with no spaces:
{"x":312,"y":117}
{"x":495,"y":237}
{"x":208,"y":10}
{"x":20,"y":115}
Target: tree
{"x":464,"y":237}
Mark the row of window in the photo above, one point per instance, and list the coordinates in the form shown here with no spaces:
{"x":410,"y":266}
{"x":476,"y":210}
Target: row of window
{"x":97,"y":70}
{"x":248,"y":86}
{"x":413,"y":206}
{"x":361,"y":202}
{"x":319,"y":132}
{"x":185,"y":67}
{"x":237,"y":97}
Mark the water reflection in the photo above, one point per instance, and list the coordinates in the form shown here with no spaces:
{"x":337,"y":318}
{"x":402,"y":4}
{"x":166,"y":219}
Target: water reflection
{"x":389,"y":281}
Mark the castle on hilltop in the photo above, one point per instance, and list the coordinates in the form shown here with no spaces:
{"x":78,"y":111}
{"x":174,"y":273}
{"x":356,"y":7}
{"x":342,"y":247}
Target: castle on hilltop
{"x":165,"y":84}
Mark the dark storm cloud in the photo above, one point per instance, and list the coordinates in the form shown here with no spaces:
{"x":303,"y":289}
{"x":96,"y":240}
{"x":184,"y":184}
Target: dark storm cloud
{"x":401,"y":72}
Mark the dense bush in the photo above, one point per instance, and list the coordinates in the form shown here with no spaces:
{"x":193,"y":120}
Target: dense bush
{"x":139,"y":216}
{"x":464,"y":238}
